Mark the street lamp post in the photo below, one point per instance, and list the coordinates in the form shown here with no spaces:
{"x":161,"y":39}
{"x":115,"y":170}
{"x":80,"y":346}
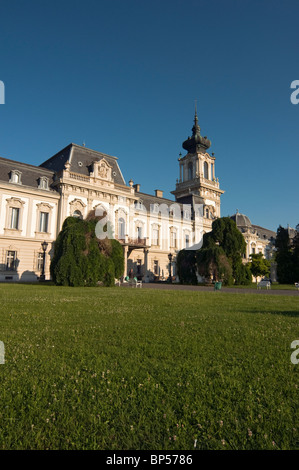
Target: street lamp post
{"x":170,"y":260}
{"x":44,"y":247}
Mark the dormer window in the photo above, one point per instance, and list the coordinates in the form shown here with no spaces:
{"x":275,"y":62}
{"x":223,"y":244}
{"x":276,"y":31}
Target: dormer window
{"x":43,"y":183}
{"x":139,"y":204}
{"x":15,"y":177}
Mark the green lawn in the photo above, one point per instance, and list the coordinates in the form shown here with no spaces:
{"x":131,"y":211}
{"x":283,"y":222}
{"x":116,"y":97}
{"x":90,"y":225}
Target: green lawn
{"x":122,"y":368}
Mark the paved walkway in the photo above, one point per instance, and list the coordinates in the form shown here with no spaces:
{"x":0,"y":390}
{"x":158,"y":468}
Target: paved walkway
{"x":223,"y":289}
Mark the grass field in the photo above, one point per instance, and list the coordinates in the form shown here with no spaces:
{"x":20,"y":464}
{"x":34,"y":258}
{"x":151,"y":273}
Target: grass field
{"x":122,"y":368}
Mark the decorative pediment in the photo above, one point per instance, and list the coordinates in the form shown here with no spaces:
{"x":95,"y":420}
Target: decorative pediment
{"x":77,"y":204}
{"x":15,"y":202}
{"x":44,"y":207}
{"x":102,"y":169}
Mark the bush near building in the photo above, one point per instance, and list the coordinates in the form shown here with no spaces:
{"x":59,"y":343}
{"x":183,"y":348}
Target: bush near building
{"x":80,"y":259}
{"x":220,"y":258}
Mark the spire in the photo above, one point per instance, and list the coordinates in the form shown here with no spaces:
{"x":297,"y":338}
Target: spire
{"x":196,"y":142}
{"x":195,"y":128}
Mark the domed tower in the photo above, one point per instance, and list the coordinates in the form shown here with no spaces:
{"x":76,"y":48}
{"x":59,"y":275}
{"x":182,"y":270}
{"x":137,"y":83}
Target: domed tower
{"x":197,"y":183}
{"x":242,"y":221}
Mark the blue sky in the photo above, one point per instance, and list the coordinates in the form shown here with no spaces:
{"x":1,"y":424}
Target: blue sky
{"x":122,"y":76}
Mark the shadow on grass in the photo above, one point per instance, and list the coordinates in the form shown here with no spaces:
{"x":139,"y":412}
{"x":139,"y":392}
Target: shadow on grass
{"x":287,"y":313}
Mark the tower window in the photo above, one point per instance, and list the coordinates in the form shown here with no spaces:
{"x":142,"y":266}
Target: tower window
{"x":206,"y":170}
{"x":190,"y":171}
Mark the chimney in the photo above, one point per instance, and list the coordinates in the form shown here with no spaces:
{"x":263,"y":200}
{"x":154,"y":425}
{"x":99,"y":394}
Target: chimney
{"x":137,"y":187}
{"x":158,"y":193}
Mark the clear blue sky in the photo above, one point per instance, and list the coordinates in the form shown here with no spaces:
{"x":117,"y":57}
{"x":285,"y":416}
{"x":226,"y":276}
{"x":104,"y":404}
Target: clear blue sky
{"x":123,"y":76}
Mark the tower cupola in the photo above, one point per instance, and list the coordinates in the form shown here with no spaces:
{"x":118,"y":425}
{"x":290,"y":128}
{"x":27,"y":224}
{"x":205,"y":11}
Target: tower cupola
{"x":196,"y":143}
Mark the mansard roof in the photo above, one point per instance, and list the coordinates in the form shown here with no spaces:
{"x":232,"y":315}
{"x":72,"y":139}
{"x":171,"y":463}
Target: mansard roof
{"x":264,"y":233}
{"x":243,"y":223}
{"x":81,"y":160}
{"x":30,"y":174}
{"x":149,"y":200}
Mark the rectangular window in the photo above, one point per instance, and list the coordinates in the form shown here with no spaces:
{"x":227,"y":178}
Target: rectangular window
{"x":14,"y":220}
{"x":173,"y":239}
{"x":11,"y":261}
{"x":156,"y":268}
{"x":43,"y":222}
{"x":187,"y":241}
{"x":40,"y":261}
{"x":155,"y":240}
{"x":139,"y":233}
{"x":15,"y":178}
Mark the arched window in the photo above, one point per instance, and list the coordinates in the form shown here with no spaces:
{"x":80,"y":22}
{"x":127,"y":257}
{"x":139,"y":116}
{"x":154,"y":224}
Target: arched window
{"x":206,"y":170}
{"x":77,"y":214}
{"x":121,"y":228}
{"x":190,"y":171}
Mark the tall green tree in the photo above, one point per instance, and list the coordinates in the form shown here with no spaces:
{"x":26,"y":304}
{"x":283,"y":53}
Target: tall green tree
{"x":259,"y":266}
{"x":213,"y":264}
{"x":222,"y":251}
{"x":284,"y":256}
{"x":186,"y":266}
{"x":296,"y":256}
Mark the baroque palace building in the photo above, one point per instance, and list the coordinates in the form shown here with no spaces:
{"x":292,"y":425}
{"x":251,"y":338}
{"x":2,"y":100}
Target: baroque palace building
{"x":35,"y":200}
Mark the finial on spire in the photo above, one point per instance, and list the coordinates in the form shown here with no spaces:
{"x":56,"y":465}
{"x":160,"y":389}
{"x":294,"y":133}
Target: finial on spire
{"x":195,"y":115}
{"x":195,"y":128}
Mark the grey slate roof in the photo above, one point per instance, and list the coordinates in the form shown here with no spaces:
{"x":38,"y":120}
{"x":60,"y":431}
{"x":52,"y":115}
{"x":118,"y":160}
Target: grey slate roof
{"x":30,"y":173}
{"x":148,"y":201}
{"x":81,"y":159}
{"x":241,"y":220}
{"x":264,"y":233}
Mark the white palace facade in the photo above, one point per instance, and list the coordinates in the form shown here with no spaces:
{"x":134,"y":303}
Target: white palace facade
{"x":35,"y":201}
